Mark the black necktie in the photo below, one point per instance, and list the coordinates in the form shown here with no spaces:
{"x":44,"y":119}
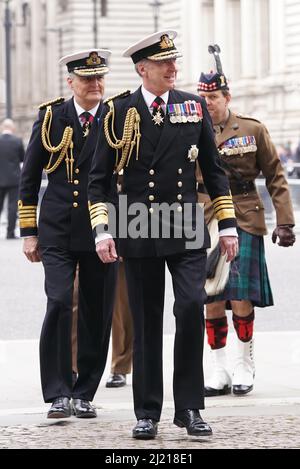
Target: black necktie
{"x":157,"y":111}
{"x":86,"y":119}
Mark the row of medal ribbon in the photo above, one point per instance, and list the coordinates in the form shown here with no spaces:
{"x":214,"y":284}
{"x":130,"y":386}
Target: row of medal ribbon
{"x":239,"y":145}
{"x":181,"y":113}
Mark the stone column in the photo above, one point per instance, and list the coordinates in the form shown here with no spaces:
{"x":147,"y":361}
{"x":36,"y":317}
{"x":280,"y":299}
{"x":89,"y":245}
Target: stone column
{"x":53,"y":75}
{"x":220,"y":30}
{"x":37,"y":51}
{"x":248,"y":39}
{"x":261,"y":12}
{"x":2,"y":60}
{"x":22,"y":58}
{"x":277,"y":36}
{"x":233,"y":72}
{"x":193,"y":42}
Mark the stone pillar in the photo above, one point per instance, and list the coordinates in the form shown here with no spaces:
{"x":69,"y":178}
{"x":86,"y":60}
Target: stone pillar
{"x":233,"y":72}
{"x":2,"y":61}
{"x":261,"y":12}
{"x":53,"y":75}
{"x":193,"y":42}
{"x":220,"y":30}
{"x":248,"y":39}
{"x":277,"y":35}
{"x":22,"y":58}
{"x":37,"y":51}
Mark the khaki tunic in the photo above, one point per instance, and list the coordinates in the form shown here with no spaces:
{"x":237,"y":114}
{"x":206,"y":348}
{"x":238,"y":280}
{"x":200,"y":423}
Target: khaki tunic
{"x":249,"y":207}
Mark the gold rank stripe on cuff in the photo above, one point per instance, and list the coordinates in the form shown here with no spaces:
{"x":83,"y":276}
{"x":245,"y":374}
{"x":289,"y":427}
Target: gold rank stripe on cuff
{"x":223,"y":207}
{"x":98,"y":214}
{"x":27,"y":215}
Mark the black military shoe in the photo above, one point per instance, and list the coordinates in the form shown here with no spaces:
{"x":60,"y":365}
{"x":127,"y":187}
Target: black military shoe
{"x":83,"y":409}
{"x":211,"y":392}
{"x":60,"y":408}
{"x":241,"y":389}
{"x":116,"y":380}
{"x":145,"y":429}
{"x":192,"y":421}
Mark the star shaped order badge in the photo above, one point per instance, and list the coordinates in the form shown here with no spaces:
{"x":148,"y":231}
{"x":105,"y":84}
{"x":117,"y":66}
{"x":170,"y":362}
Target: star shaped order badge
{"x":158,"y":118}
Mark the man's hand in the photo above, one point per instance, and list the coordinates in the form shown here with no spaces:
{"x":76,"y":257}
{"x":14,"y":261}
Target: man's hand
{"x":106,"y":250}
{"x":285,"y":234}
{"x":31,"y":249}
{"x":229,"y":245}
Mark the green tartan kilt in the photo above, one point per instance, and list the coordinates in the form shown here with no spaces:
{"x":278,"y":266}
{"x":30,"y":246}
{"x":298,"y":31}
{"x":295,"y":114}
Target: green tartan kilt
{"x":248,"y":276}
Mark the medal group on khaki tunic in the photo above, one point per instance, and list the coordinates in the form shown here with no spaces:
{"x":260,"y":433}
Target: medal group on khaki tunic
{"x":239,"y":146}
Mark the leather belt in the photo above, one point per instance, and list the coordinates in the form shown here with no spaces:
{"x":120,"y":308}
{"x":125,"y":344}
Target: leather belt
{"x":237,"y":188}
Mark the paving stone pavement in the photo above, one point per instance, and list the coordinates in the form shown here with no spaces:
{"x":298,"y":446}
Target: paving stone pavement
{"x":238,"y":432}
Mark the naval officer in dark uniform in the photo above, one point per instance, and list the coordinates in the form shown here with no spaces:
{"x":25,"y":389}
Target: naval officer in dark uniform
{"x":62,"y":143}
{"x":157,"y":134}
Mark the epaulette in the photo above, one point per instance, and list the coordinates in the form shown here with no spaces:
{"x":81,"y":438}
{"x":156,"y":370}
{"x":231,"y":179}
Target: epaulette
{"x":123,"y":94}
{"x":49,"y":103}
{"x":241,"y":116}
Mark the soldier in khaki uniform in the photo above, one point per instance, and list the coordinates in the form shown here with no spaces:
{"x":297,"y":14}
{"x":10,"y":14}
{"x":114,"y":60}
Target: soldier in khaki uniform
{"x":246,"y":150}
{"x":122,"y":334}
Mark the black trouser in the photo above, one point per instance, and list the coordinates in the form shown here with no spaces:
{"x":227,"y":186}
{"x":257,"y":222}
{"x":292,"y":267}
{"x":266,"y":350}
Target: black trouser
{"x":12,"y":193}
{"x":146,"y":287}
{"x":96,"y":298}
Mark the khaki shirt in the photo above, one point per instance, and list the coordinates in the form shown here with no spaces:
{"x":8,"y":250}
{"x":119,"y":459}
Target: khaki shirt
{"x":249,"y":162}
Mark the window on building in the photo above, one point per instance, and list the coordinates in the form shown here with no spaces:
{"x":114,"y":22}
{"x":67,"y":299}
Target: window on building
{"x":103,"y":7}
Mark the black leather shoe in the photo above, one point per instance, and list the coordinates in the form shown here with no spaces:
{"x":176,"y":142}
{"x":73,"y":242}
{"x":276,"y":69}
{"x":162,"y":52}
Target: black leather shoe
{"x":60,"y":408}
{"x":116,"y":380}
{"x":83,"y":409}
{"x":192,"y":421}
{"x":210,"y":392}
{"x":145,"y":429}
{"x":241,"y":389}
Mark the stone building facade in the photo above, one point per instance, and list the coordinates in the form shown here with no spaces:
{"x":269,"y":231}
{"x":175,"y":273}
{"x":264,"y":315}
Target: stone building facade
{"x":260,"y":42}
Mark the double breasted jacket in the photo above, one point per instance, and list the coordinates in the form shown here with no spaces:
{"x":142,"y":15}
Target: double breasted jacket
{"x":161,"y":172}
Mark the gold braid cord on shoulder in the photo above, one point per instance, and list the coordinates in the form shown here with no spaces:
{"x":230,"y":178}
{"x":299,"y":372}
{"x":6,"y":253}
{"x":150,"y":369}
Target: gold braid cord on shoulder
{"x":51,"y":102}
{"x":131,"y":135}
{"x":63,"y":147}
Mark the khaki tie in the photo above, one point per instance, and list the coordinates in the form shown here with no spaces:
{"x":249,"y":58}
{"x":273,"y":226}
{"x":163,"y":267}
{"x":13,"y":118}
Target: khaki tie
{"x":217,"y":129}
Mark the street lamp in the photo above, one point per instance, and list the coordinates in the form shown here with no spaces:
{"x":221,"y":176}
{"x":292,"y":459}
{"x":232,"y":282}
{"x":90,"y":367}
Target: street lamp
{"x":95,"y":24}
{"x":7,"y":28}
{"x":155,"y":5}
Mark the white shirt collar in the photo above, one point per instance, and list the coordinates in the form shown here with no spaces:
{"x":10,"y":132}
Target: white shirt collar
{"x":150,"y":97}
{"x":80,"y":110}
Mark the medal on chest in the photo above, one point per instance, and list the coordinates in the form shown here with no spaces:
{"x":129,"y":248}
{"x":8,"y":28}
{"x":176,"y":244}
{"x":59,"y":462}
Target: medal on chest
{"x":158,"y":118}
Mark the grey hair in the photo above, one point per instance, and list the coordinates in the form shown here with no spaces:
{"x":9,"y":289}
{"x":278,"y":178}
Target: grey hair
{"x":141,"y":62}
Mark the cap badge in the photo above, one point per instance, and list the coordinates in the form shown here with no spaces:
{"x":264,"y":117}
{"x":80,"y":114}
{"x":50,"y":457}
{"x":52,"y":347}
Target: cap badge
{"x":93,"y":59}
{"x":222,"y":79}
{"x":166,"y":42}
